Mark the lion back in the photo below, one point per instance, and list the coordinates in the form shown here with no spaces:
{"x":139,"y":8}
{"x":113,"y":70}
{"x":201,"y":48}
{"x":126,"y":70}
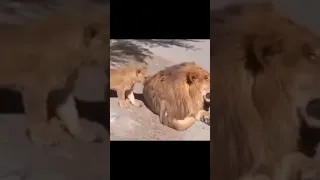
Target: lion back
{"x":170,"y":85}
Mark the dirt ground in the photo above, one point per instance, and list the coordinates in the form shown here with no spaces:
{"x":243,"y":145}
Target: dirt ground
{"x":72,"y":160}
{"x":139,"y":123}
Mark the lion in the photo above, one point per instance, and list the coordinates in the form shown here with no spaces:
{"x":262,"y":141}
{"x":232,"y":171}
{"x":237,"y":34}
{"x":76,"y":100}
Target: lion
{"x":41,"y":58}
{"x":265,"y":67}
{"x":177,"y":94}
{"x":123,"y":80}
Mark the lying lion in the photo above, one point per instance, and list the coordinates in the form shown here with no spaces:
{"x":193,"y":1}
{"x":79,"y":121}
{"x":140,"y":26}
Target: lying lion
{"x":123,"y":80}
{"x":41,"y":57}
{"x":177,"y":94}
{"x":265,"y":67}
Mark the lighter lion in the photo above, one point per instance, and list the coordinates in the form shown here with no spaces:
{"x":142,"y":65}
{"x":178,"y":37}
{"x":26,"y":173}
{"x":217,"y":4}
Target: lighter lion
{"x":40,"y":57}
{"x":177,"y":94}
{"x":265,"y":67}
{"x":123,"y":80}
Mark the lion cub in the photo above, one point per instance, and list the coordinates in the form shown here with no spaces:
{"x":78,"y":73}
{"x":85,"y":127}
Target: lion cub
{"x":123,"y":80}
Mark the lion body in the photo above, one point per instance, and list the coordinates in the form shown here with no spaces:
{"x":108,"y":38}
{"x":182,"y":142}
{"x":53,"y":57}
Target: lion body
{"x":41,"y":58}
{"x":263,"y":69}
{"x":123,"y":80}
{"x":177,"y":93}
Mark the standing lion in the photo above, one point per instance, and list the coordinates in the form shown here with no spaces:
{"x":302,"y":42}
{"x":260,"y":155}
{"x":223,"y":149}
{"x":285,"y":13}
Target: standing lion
{"x":264,"y":67}
{"x":177,"y":94}
{"x":41,"y":55}
{"x":123,"y":80}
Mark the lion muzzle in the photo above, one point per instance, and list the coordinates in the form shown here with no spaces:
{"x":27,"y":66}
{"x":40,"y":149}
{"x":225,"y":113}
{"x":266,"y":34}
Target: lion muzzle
{"x":207,"y":97}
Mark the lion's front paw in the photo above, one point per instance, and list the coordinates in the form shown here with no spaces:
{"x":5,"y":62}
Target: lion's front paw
{"x":43,"y":135}
{"x":123,"y":104}
{"x":137,"y":104}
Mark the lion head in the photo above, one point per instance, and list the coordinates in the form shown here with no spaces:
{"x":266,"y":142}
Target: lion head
{"x":265,"y":67}
{"x":141,"y":74}
{"x":96,"y":34}
{"x":199,"y":79}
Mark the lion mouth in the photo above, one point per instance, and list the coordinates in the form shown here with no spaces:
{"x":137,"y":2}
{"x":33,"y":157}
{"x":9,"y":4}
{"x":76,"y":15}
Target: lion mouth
{"x":310,"y":113}
{"x":207,"y":97}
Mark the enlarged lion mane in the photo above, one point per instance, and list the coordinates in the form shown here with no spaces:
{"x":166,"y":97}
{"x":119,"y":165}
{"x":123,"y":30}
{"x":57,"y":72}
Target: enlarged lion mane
{"x":255,"y":53}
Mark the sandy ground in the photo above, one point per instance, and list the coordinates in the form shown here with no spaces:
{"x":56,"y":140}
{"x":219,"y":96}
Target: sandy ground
{"x":72,"y":160}
{"x":139,"y":123}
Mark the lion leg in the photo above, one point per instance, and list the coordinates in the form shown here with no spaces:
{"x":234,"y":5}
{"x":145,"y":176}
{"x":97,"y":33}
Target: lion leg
{"x":163,"y":114}
{"x":122,"y":99}
{"x":133,"y":100}
{"x":202,"y":114}
{"x":68,"y":113}
{"x":39,"y":131}
{"x":179,"y":125}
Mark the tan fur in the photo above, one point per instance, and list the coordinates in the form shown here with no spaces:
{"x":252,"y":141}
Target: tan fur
{"x":264,"y":66}
{"x":123,"y":80}
{"x":42,"y":56}
{"x":177,"y":94}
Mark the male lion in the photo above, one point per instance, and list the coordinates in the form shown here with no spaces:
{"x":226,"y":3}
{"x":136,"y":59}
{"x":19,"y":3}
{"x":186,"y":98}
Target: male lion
{"x":177,"y":94}
{"x":264,"y":67}
{"x":123,"y":80}
{"x":40,"y":58}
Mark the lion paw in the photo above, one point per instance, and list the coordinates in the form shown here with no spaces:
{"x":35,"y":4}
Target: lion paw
{"x":123,"y":104}
{"x":88,"y":136}
{"x":43,"y":135}
{"x":137,"y":104}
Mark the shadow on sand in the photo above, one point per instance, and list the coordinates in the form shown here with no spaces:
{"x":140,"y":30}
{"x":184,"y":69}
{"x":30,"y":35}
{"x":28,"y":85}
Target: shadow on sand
{"x":11,"y":103}
{"x":113,"y":94}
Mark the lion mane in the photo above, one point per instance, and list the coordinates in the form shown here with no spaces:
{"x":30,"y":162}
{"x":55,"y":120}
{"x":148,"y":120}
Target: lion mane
{"x":255,"y":53}
{"x":175,"y":94}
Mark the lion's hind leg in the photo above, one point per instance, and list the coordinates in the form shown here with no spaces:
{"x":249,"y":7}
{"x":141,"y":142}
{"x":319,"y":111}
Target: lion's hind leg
{"x":179,"y":125}
{"x":68,"y":113}
{"x":39,"y":130}
{"x":131,"y":98}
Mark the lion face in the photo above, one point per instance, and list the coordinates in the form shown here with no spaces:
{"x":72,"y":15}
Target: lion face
{"x":141,"y":74}
{"x":306,"y":84}
{"x":97,"y":42}
{"x":201,"y":79}
{"x":295,"y":65}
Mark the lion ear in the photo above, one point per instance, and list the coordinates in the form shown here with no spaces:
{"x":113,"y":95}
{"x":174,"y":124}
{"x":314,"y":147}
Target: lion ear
{"x":259,"y":49}
{"x":138,"y":71}
{"x":191,"y":77}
